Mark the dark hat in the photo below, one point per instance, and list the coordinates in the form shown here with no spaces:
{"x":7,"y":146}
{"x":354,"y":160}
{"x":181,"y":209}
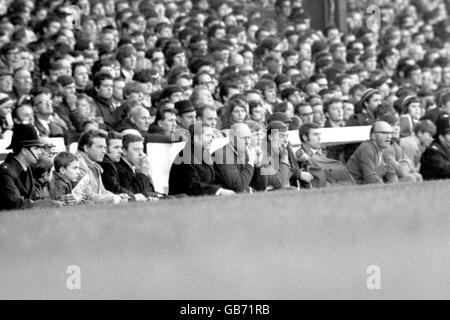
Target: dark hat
{"x":5,"y":72}
{"x":279,"y":116}
{"x":319,"y":46}
{"x":391,"y":117}
{"x":83,"y":44}
{"x":368,"y":94}
{"x":5,"y":98}
{"x":104,"y":48}
{"x":184,"y":106}
{"x":25,"y":135}
{"x":277,"y":125}
{"x":443,"y":125}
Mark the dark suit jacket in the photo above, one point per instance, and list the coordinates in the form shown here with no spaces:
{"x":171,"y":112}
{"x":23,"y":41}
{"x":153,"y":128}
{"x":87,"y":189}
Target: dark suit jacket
{"x":432,"y":115}
{"x":135,"y":182}
{"x":110,"y":177}
{"x":104,"y":109}
{"x":16,"y":186}
{"x":435,"y":162}
{"x":194,"y":177}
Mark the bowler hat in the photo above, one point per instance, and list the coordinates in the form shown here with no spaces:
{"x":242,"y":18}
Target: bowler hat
{"x":184,"y":106}
{"x":279,"y":116}
{"x":5,"y":72}
{"x":277,"y":125}
{"x":25,"y":135}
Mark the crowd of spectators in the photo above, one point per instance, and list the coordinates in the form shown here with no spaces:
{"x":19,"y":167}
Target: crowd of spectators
{"x":114,"y":75}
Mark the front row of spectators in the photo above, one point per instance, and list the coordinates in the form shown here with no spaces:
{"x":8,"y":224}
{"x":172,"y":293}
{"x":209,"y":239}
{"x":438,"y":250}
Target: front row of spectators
{"x":113,"y":168}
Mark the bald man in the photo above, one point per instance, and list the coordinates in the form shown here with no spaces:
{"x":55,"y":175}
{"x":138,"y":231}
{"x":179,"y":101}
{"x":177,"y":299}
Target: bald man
{"x":138,"y":118}
{"x":369,"y":163}
{"x":237,"y":165}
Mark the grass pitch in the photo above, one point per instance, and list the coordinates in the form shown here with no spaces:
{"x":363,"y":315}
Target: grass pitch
{"x":288,"y":245}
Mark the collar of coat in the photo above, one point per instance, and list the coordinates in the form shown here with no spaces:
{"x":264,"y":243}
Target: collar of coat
{"x":437,"y":146}
{"x":91,"y":164}
{"x":60,"y":176}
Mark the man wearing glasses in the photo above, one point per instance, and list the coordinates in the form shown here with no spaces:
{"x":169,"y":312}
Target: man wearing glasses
{"x":369,"y":164}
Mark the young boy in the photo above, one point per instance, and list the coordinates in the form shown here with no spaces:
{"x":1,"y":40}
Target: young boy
{"x":65,"y":177}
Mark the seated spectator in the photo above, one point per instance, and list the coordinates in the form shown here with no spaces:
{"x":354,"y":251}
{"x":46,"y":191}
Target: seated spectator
{"x":103,"y":86}
{"x":235,"y":112}
{"x":23,"y":114}
{"x":305,"y":112}
{"x":368,"y":163}
{"x":6,"y":81}
{"x":326,"y":171}
{"x":47,"y":122}
{"x":208,"y":115}
{"x":186,"y":116}
{"x":42,"y":179}
{"x":129,"y":169}
{"x":110,"y":175}
{"x":237,"y":165}
{"x":6,"y":119}
{"x":22,"y":84}
{"x":138,"y":119}
{"x":258,"y":135}
{"x":435,"y":161}
{"x":444,"y":107}
{"x":192,"y":172}
{"x":257,"y":112}
{"x":85,"y":111}
{"x":414,"y":145}
{"x":410,"y":114}
{"x":164,"y":127}
{"x":91,"y":151}
{"x":48,"y":149}
{"x":396,"y":158}
{"x":276,"y":164}
{"x":65,"y":177}
{"x":334,"y":113}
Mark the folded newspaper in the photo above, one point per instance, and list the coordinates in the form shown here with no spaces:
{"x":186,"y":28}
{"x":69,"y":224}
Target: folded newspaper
{"x":80,"y":188}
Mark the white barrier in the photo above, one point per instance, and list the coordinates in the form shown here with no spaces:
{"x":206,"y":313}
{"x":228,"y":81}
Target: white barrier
{"x":59,"y":144}
{"x":73,"y":147}
{"x":334,"y":136}
{"x":161,"y":157}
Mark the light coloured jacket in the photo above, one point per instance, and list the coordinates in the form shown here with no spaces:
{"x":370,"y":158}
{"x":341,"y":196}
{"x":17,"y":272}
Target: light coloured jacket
{"x":98,"y":193}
